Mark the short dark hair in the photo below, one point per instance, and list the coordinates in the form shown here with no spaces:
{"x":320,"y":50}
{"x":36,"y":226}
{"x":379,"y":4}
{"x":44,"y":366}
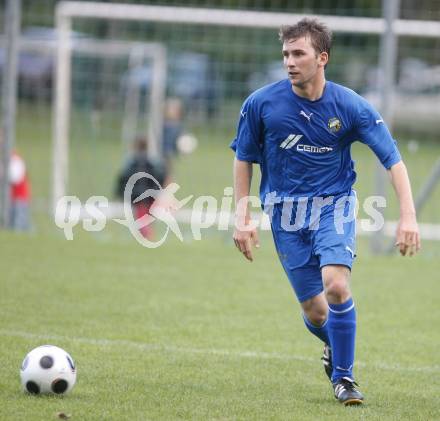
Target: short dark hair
{"x":320,"y":35}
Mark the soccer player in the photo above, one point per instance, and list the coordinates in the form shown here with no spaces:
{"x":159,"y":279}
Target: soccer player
{"x":138,"y":161}
{"x":300,"y":130}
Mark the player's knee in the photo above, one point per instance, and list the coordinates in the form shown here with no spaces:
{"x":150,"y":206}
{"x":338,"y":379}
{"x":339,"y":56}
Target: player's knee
{"x":337,"y":290}
{"x":316,"y":310}
{"x":336,"y":284}
{"x":317,"y":318}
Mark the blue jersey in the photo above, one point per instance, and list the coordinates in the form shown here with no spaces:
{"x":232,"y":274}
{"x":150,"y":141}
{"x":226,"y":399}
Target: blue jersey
{"x":303,"y":146}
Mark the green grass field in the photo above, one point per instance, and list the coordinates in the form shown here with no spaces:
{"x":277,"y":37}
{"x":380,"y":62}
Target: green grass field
{"x":192,"y":331}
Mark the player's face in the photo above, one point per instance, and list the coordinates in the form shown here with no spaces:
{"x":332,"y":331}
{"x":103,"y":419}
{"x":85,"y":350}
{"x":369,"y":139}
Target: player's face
{"x":302,"y":62}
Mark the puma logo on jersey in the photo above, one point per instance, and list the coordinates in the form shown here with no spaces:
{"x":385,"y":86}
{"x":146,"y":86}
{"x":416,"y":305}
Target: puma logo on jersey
{"x":307,"y":116}
{"x":379,"y":121}
{"x":290,"y":141}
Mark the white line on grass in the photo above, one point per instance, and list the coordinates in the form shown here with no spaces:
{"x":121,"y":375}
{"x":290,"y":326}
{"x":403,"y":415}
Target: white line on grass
{"x":206,"y":351}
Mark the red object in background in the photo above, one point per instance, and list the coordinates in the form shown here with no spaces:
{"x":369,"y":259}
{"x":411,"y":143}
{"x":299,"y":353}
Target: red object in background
{"x":20,"y":186}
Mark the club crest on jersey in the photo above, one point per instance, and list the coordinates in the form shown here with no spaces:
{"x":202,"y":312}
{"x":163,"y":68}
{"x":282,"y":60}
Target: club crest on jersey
{"x":334,"y":124}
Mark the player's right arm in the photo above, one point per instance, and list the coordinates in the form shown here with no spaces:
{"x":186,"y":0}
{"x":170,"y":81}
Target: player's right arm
{"x":245,"y":236}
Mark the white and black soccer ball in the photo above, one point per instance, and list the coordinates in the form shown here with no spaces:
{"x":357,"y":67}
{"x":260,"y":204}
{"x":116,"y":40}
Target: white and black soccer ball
{"x":48,"y":369}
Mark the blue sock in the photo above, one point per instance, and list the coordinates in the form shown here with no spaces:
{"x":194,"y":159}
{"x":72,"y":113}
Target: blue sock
{"x":320,"y":331}
{"x":342,"y":333}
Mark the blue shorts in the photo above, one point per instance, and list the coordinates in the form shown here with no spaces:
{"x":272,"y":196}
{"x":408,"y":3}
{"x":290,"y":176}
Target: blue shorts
{"x":304,"y":251}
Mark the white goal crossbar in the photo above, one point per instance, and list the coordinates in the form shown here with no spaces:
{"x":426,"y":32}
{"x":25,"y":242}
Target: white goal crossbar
{"x":66,"y":10}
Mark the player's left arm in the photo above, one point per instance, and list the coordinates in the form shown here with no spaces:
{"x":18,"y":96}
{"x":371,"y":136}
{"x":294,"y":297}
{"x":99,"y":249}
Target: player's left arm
{"x":407,"y":235}
{"x":374,"y":132}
